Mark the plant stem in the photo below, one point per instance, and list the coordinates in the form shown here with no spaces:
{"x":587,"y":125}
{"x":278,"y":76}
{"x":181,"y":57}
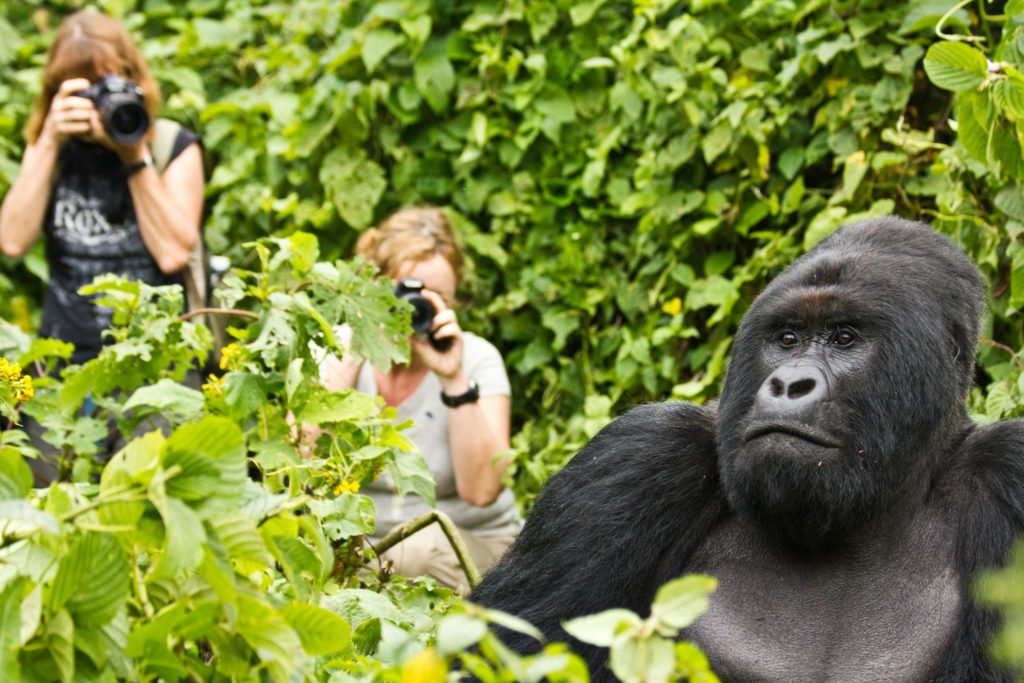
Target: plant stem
{"x":219,"y":311}
{"x":400,"y":533}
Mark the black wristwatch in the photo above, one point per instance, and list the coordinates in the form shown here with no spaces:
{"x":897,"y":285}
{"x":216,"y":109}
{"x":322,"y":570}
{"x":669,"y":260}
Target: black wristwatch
{"x":131,"y":169}
{"x":471,"y":396}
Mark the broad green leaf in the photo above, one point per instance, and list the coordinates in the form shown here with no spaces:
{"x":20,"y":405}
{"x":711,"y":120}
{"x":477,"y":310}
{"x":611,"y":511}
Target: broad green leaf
{"x":322,"y":632}
{"x":10,"y":627}
{"x":458,"y":632}
{"x":168,"y":396}
{"x":59,"y":637}
{"x":341,"y":406}
{"x":411,"y":475}
{"x":648,"y":660}
{"x":238,"y":532}
{"x":377,"y":45}
{"x":183,"y":537}
{"x":345,"y":516}
{"x":955,"y":66}
{"x":211,"y":456}
{"x":354,"y":184}
{"x":434,"y":75}
{"x":601,"y":629}
{"x":21,"y":518}
{"x":582,"y":12}
{"x":269,"y":635}
{"x":679,"y":602}
{"x":92,"y":581}
{"x":15,"y":475}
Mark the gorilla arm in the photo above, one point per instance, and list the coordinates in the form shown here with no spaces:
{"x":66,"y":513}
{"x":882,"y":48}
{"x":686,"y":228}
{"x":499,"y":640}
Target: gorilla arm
{"x":987,"y":479}
{"x":619,"y":520}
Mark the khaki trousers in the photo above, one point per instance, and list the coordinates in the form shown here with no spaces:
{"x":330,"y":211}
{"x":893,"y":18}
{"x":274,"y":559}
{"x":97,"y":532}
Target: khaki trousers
{"x":429,"y":552}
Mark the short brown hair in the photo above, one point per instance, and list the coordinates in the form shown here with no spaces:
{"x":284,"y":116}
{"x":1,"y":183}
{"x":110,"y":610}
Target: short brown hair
{"x":90,"y":44}
{"x":413,"y":234}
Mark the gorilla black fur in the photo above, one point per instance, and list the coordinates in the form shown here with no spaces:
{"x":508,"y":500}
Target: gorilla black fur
{"x":838,"y":491}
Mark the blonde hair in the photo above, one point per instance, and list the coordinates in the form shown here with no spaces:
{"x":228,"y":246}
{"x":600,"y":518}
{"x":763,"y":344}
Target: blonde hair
{"x":411,"y":235}
{"x":90,"y":44}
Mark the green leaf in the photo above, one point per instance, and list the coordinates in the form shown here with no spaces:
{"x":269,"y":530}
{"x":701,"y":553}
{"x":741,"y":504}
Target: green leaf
{"x":211,"y":457}
{"x":269,"y":635}
{"x":184,"y":537}
{"x":955,"y":66}
{"x":643,"y":661}
{"x":345,"y":516}
{"x":15,"y":475}
{"x":1010,"y":200}
{"x":242,"y":540}
{"x":10,"y":627}
{"x":243,"y":392}
{"x":354,"y":184}
{"x":59,"y":637}
{"x":582,"y":12}
{"x":92,"y":580}
{"x":411,"y":475}
{"x":602,"y":628}
{"x":340,"y":406}
{"x":168,"y":396}
{"x":322,"y":632}
{"x":377,"y":45}
{"x":458,"y":632}
{"x":678,"y":603}
{"x":434,"y":75}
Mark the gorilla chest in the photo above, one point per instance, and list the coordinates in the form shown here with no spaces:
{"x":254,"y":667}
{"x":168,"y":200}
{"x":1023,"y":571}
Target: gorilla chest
{"x":884,"y":612}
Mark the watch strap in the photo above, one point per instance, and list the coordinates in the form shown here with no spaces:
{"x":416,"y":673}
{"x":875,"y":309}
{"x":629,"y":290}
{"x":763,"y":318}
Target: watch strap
{"x":471,"y":395}
{"x":131,"y":169}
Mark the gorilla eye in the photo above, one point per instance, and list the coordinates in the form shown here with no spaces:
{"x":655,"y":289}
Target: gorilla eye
{"x":788,"y":338}
{"x":843,"y":337}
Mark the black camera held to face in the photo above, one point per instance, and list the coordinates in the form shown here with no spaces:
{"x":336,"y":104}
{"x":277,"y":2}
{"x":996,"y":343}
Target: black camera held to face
{"x":423,"y":312}
{"x":121,"y":107}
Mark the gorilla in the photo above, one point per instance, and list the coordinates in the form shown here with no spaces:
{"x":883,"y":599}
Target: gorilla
{"x":838,"y":490}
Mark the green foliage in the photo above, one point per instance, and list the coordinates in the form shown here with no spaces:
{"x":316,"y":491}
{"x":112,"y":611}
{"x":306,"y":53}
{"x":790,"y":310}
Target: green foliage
{"x":625,"y":177}
{"x":171,"y":562}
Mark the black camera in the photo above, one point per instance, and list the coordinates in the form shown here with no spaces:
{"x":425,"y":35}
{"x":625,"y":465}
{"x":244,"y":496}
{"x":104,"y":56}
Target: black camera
{"x":423,"y":311}
{"x":121,"y":107}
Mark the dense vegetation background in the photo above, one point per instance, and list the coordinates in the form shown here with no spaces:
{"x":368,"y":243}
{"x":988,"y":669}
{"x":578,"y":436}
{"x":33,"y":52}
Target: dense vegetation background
{"x":626,"y":176}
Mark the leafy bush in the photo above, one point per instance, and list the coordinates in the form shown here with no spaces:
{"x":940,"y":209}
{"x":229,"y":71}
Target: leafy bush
{"x":626,"y":176}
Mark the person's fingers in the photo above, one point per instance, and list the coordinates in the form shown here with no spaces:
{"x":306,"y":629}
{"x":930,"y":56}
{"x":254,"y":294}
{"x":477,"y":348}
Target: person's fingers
{"x":451,"y":329}
{"x":434,"y":298}
{"x":71,"y":86}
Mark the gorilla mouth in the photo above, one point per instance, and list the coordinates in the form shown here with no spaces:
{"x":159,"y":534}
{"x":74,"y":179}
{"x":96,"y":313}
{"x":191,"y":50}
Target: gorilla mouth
{"x":799,"y":431}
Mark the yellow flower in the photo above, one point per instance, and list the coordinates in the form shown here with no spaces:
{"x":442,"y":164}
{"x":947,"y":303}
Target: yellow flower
{"x":9,"y":372}
{"x":23,"y":389}
{"x":214,"y":386}
{"x":346,"y":487}
{"x":228,"y":355}
{"x":673,"y":306}
{"x":426,"y":667}
{"x":20,"y":385}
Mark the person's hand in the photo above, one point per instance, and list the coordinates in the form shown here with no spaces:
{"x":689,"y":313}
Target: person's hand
{"x":69,"y":114}
{"x":128,"y":154}
{"x":447,"y":365}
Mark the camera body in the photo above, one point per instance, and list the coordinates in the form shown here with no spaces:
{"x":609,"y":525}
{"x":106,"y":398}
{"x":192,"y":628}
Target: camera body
{"x":423,"y":312}
{"x":121,"y":107}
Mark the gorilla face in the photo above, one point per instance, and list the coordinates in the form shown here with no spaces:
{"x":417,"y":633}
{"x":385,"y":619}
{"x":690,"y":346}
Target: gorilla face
{"x":846,"y":372}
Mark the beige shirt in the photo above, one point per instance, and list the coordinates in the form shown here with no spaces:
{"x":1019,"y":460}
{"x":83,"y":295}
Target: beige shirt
{"x":482,"y":364}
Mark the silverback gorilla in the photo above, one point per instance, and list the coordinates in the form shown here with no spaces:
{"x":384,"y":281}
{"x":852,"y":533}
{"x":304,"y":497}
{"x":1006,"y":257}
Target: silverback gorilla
{"x":838,"y":491}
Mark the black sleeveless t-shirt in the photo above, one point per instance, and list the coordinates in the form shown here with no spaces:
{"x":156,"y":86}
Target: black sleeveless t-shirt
{"x":91,"y":229}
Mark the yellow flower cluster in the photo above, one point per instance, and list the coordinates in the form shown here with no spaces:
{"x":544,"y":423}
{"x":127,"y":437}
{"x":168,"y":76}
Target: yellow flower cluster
{"x":346,"y":487}
{"x":20,"y":385}
{"x":673,"y":306}
{"x":215,"y":385}
{"x":229,"y":355}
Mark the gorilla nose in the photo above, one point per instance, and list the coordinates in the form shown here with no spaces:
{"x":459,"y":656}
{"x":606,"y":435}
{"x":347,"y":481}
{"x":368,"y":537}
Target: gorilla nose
{"x":791,"y":391}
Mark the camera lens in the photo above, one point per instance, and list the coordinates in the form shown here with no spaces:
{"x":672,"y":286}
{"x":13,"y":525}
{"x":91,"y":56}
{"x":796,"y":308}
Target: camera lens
{"x":126,"y":122}
{"x":422,"y":314}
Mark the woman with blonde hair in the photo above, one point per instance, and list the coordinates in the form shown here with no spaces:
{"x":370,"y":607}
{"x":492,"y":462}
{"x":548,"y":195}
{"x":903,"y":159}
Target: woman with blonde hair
{"x":456,"y":392}
{"x":96,"y":195}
